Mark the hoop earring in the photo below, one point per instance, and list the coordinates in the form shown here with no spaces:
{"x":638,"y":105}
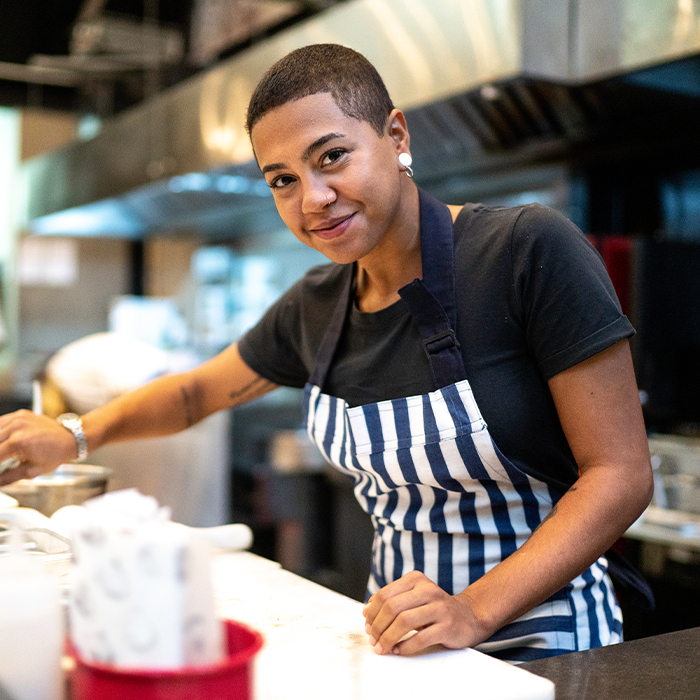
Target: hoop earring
{"x":406,"y":161}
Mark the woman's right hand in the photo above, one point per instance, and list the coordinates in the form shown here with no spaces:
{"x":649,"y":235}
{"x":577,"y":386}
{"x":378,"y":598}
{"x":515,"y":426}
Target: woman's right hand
{"x":39,"y":443}
{"x":164,"y":406}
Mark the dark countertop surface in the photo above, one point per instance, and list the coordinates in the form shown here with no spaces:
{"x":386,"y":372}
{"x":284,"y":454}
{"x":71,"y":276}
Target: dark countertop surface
{"x":664,"y":667}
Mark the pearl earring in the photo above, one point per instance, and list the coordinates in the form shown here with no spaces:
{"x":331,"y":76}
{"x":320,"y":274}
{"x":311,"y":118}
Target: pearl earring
{"x":406,"y":160}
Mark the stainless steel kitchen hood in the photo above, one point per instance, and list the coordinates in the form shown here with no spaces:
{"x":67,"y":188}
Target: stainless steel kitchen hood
{"x":480,"y":80}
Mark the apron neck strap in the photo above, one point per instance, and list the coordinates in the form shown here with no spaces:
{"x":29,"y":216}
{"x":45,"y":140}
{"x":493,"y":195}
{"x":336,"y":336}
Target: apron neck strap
{"x":432,"y":300}
{"x":437,"y":253}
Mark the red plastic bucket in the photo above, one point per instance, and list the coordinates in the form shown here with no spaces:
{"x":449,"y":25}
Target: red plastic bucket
{"x":230,"y":679}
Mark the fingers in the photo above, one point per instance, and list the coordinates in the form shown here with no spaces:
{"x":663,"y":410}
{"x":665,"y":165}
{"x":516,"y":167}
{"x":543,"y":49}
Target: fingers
{"x":405,"y":605}
{"x":405,"y":626}
{"x":413,"y":629}
{"x":10,"y":460}
{"x":24,"y":471}
{"x":405,"y":584}
{"x":30,"y":445}
{"x":413,"y":613}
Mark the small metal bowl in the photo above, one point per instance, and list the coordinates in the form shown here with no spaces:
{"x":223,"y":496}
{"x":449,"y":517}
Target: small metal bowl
{"x":70,"y":484}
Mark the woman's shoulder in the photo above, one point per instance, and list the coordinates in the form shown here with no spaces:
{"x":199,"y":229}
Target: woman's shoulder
{"x":521,"y":230}
{"x":530,"y":217}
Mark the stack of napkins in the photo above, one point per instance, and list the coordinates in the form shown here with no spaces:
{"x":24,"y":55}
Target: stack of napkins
{"x":142,"y":594}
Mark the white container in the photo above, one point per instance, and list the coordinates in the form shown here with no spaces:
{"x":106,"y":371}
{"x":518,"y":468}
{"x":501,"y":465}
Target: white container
{"x":141,"y":593}
{"x":31,"y":627}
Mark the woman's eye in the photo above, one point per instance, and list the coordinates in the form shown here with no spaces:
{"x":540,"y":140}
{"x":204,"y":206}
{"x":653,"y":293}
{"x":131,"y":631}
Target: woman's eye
{"x":332,"y":156}
{"x":282,"y":181}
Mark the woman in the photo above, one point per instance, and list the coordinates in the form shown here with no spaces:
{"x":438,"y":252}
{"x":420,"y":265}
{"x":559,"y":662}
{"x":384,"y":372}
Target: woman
{"x":430,"y":322}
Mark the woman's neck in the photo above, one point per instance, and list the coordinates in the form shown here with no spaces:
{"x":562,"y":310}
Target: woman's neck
{"x":378,"y":285}
{"x":392,"y":264}
{"x":370,"y":296}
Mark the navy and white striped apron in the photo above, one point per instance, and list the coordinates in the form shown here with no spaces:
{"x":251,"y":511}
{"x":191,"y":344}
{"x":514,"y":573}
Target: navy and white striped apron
{"x":443,"y":499}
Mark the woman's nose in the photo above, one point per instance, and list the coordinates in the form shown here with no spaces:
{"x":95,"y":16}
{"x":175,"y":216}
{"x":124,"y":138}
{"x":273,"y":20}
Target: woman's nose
{"x":316,"y":199}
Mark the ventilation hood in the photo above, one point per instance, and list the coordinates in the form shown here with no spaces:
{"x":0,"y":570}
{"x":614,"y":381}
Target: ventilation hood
{"x":484,"y":83}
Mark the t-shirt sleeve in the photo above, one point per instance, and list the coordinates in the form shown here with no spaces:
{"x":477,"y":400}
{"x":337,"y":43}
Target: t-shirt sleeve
{"x":562,"y":291}
{"x":282,"y":346}
{"x":272,"y":347}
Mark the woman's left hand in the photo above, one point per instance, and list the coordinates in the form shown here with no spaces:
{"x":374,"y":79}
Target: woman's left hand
{"x":415,"y":603}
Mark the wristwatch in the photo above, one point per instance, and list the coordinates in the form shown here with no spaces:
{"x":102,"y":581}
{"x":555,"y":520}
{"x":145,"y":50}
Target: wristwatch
{"x":72,"y":422}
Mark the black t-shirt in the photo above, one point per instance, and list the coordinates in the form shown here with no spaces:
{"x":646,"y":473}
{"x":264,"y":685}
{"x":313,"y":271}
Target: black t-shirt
{"x":533,"y":299}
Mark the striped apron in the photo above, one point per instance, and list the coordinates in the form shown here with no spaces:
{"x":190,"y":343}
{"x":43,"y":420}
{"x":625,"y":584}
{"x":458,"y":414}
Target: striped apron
{"x":442,"y":497}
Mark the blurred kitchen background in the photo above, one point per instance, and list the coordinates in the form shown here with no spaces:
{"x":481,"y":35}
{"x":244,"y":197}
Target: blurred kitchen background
{"x":130,"y":206}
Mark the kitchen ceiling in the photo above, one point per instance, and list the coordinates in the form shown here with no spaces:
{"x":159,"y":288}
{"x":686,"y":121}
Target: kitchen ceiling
{"x":103,"y":56}
{"x":35,"y":30}
{"x":487,"y":86}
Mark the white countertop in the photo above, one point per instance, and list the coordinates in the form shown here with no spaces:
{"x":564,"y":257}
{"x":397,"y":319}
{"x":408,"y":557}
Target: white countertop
{"x":316,"y":647}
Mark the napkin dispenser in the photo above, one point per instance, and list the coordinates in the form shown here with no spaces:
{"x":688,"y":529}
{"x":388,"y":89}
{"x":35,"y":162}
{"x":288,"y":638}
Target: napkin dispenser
{"x":142,"y":595}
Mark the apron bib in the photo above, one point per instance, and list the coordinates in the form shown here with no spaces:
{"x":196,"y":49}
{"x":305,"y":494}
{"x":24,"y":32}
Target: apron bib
{"x":442,"y":497}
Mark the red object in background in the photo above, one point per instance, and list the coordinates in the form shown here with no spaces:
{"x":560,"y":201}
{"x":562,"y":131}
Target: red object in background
{"x":231,"y":679}
{"x":616,"y":252}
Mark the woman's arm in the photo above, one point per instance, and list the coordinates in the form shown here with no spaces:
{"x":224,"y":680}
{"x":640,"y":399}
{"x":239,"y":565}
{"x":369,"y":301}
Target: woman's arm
{"x":598,"y":405}
{"x":162,"y":407}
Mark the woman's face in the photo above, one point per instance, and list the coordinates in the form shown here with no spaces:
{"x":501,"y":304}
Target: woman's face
{"x":337,"y":184}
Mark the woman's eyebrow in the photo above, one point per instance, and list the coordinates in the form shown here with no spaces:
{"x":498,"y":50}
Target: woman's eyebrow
{"x":320,"y":142}
{"x":272,"y":166}
{"x":308,"y":152}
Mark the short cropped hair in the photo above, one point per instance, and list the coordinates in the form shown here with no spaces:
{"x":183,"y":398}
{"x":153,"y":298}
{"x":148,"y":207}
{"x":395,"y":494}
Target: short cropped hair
{"x":347,"y":75}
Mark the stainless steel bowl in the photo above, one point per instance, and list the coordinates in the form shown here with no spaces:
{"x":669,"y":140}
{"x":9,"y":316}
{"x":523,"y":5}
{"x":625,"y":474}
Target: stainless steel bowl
{"x":70,"y":484}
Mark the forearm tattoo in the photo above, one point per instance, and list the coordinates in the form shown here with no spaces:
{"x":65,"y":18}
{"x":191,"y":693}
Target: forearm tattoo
{"x":552,"y":512}
{"x":188,"y":406}
{"x":549,"y":515}
{"x":257,"y":387}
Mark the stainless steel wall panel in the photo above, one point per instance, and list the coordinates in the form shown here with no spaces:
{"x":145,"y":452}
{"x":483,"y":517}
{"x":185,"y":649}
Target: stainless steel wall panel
{"x":511,"y":70}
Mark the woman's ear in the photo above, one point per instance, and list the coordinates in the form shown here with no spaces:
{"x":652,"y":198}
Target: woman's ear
{"x":398,"y":130}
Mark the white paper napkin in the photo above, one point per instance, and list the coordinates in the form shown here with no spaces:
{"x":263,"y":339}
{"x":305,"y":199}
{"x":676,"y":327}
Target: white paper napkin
{"x":142,"y":594}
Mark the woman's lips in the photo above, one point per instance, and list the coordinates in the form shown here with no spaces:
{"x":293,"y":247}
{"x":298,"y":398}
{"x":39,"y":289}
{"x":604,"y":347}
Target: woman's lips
{"x":332,"y":229}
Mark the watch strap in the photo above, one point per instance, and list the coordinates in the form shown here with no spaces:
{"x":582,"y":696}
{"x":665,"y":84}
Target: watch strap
{"x":73,"y":423}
